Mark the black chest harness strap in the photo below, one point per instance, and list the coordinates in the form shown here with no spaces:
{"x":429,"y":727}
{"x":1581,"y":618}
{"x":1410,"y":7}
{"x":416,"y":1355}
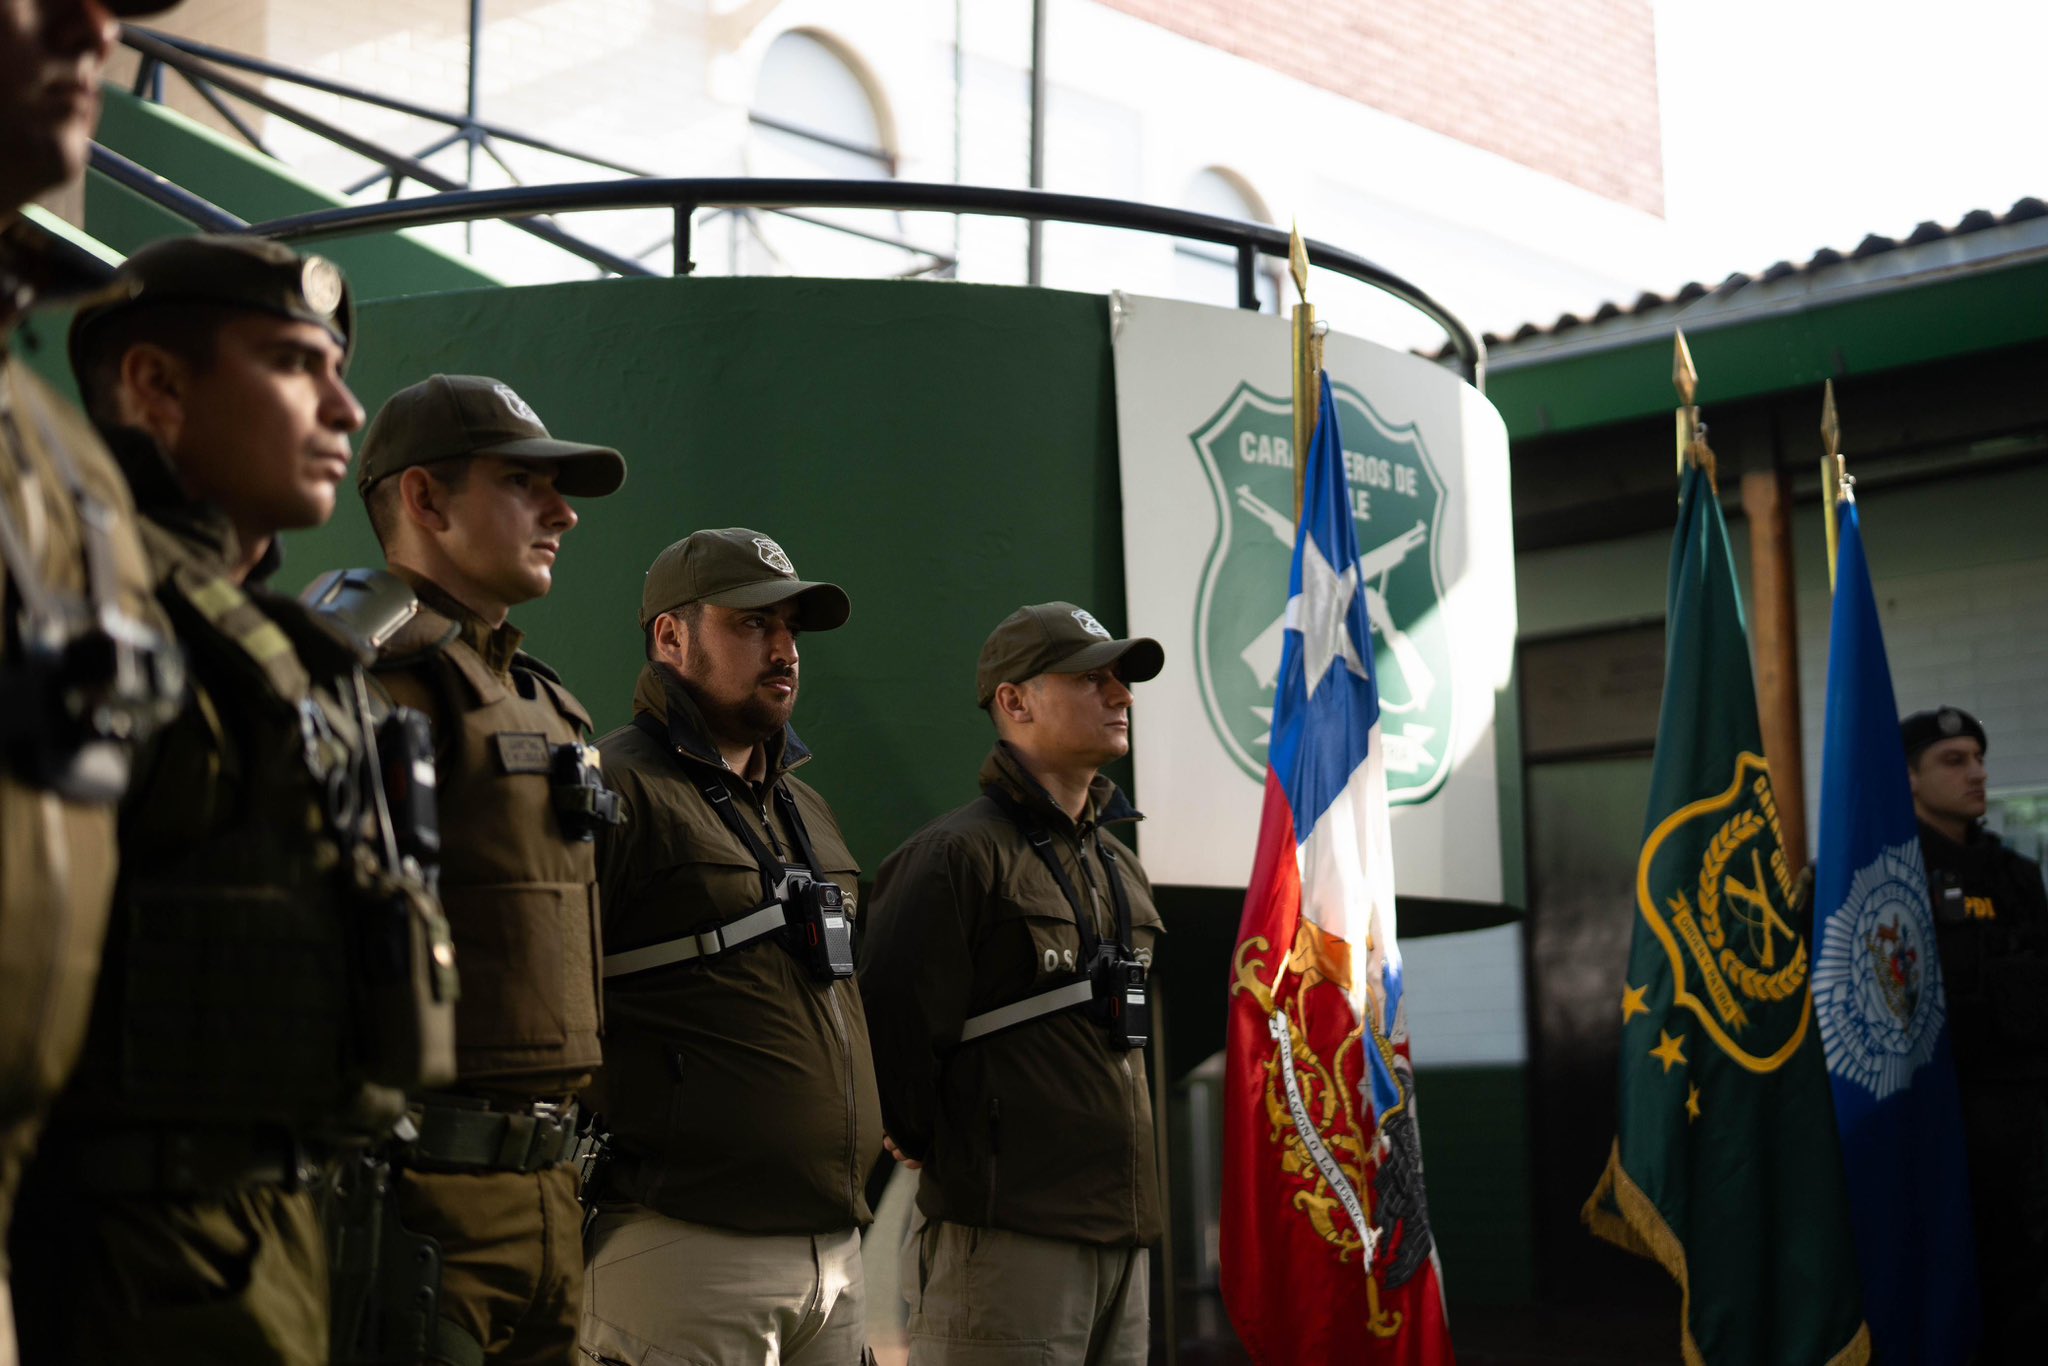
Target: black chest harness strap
{"x":769,"y":918}
{"x":1072,"y":994}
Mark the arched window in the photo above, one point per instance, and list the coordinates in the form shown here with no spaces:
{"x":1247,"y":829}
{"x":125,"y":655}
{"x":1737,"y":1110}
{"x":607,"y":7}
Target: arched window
{"x":1206,"y":272}
{"x":813,"y":115}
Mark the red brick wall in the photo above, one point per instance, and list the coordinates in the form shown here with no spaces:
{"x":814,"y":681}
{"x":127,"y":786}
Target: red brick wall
{"x":1568,"y":87}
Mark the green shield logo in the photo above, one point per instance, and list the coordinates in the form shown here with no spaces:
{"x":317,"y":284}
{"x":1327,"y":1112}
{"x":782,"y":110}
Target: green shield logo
{"x":1397,"y":501}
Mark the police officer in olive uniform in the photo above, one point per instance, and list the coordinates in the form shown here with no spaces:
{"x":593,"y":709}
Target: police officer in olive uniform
{"x":83,"y":666}
{"x":270,"y":982}
{"x":740,"y":1092}
{"x":1991,"y":923}
{"x":1005,"y":962}
{"x":469,"y":496}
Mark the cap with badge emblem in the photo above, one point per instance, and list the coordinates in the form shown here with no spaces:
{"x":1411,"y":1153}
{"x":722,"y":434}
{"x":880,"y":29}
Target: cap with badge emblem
{"x":1924,"y":728}
{"x":1059,"y":638}
{"x":736,"y":567}
{"x":218,"y":271}
{"x":452,"y":417}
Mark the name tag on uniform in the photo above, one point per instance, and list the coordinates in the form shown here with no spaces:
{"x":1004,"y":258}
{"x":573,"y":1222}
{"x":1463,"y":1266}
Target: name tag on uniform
{"x":520,"y":752}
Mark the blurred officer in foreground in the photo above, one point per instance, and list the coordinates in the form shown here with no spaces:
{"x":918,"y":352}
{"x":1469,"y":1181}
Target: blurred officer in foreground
{"x":740,"y":1092}
{"x":1991,"y":922}
{"x":1004,"y":966}
{"x":469,"y":497}
{"x":269,"y":981}
{"x":84,"y":669}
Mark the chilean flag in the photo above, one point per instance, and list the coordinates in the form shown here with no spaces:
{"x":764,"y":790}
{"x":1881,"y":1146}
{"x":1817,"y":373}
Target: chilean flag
{"x":1326,"y":1247}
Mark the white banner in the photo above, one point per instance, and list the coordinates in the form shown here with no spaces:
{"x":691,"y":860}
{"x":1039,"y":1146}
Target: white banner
{"x":1205,"y":431}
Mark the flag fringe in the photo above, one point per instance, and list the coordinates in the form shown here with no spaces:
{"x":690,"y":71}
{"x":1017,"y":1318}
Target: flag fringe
{"x":1619,"y":1212}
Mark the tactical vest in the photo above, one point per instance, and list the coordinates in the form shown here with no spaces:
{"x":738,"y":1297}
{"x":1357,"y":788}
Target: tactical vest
{"x":56,"y":854}
{"x":519,"y":887}
{"x":255,"y":964}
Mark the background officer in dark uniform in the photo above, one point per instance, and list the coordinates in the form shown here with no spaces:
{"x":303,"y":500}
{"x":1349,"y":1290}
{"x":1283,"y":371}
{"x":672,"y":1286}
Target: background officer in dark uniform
{"x":1004,"y":965}
{"x":63,"y":509}
{"x":258,"y":1009}
{"x":469,"y":496}
{"x":1991,"y":921}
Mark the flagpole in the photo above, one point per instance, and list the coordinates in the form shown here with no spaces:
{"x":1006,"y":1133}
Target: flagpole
{"x":1308,"y":399}
{"x":1774,"y":611}
{"x":1832,"y":472}
{"x":1308,"y":365}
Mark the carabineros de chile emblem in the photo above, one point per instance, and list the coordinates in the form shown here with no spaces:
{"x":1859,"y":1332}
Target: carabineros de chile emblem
{"x":1714,"y":886}
{"x":1398,"y":504}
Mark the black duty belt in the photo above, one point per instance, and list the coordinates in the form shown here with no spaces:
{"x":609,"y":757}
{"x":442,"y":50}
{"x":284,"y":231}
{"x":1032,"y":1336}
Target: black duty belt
{"x":189,"y":1161}
{"x":469,"y":1133}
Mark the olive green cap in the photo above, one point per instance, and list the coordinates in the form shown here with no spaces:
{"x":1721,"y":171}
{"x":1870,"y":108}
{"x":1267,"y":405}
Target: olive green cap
{"x":217,"y":271}
{"x":452,"y":417}
{"x":736,"y":567}
{"x":1059,"y":638}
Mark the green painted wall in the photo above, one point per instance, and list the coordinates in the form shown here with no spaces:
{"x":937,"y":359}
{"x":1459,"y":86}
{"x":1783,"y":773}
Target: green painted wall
{"x":251,"y":186}
{"x":944,"y":451}
{"x":1475,"y":1148}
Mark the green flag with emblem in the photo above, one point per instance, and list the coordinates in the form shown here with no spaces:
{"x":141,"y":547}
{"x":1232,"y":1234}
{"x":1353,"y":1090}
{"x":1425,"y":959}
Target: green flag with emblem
{"x":1726,"y":1169}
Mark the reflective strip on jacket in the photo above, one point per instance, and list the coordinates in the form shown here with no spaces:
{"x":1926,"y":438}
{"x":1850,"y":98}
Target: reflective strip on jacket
{"x":739,"y":1089}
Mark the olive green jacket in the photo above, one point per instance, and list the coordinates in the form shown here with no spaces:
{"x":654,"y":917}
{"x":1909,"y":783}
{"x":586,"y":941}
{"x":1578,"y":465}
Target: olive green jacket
{"x":228,"y":996}
{"x":738,"y":1089}
{"x":1045,"y":1128}
{"x":56,"y":856}
{"x":520,"y":895}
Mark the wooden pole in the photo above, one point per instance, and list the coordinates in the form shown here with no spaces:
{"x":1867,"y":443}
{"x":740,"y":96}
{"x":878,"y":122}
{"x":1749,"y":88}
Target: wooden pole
{"x":1774,"y":618}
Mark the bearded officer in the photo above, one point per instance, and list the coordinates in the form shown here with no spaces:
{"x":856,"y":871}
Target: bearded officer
{"x":1007,"y":947}
{"x":1991,"y":923}
{"x":262,"y":1002}
{"x":75,"y":588}
{"x":741,"y":1095}
{"x":470,"y":497}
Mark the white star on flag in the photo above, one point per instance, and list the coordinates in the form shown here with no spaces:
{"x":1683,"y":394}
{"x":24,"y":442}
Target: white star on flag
{"x":1321,"y":612}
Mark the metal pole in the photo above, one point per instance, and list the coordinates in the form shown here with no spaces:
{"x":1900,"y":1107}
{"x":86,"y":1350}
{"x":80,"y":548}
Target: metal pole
{"x":1162,"y":1138}
{"x":1248,"y":276}
{"x":683,"y":265}
{"x":1034,"y":260}
{"x":476,"y":42}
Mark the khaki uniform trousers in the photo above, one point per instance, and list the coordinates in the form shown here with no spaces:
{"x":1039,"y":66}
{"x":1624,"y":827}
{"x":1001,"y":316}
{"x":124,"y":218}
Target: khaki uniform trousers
{"x":17,"y":1141}
{"x":990,"y":1297}
{"x":662,"y":1292}
{"x":239,"y":1278}
{"x":511,"y":1262}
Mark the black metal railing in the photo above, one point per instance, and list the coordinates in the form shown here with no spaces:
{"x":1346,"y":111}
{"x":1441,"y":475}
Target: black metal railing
{"x":530,"y":207}
{"x":212,"y":72}
{"x":683,"y":197}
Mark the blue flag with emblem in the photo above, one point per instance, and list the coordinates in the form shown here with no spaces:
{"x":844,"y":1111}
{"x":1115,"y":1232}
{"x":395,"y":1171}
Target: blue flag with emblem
{"x":1877,"y":995}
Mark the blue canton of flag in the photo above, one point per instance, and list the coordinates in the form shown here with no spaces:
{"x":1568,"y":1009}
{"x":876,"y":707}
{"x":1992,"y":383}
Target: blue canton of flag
{"x":1877,"y":995}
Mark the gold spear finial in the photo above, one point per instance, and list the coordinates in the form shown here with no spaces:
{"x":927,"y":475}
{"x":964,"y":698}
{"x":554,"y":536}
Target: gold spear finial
{"x":1692,"y":435}
{"x":1297,"y":260}
{"x":1830,"y":422}
{"x":1837,"y":485}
